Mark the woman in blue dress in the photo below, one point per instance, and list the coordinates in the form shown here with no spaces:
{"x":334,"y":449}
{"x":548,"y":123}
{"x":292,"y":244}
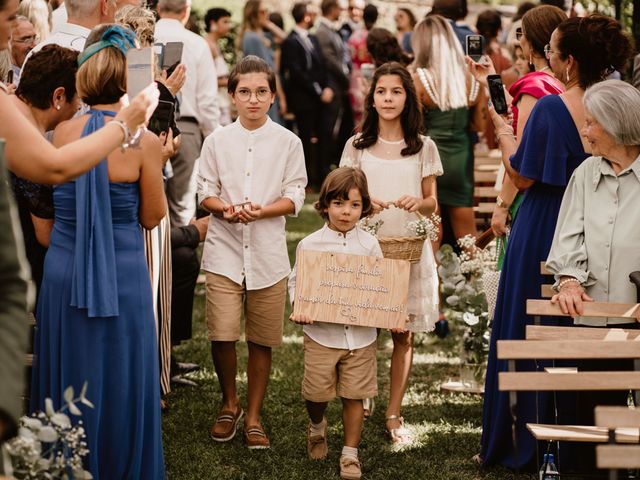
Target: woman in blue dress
{"x":95,"y":310}
{"x":581,"y":53}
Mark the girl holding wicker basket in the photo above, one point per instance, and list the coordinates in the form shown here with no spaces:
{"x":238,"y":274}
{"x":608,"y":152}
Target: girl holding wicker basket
{"x":401,"y":166}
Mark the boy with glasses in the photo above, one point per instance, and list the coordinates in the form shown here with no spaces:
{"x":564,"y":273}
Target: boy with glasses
{"x":251,"y":174}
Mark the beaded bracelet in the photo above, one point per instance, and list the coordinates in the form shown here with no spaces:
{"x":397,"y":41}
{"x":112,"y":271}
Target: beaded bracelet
{"x":126,"y":132}
{"x":568,"y":280}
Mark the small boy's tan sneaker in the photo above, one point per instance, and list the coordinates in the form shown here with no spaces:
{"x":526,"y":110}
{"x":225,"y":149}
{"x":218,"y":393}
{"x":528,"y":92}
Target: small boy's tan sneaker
{"x":350,"y":468}
{"x":317,"y":447}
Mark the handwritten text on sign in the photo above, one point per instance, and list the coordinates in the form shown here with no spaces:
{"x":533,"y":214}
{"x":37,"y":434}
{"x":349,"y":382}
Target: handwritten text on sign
{"x":352,"y":289}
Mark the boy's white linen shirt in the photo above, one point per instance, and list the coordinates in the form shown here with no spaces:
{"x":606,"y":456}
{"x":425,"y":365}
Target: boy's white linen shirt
{"x":355,"y":242}
{"x":260,"y":166}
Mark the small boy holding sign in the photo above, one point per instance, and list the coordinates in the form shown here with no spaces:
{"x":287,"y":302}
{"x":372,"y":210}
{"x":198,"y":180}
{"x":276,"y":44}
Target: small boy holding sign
{"x":339,"y":360}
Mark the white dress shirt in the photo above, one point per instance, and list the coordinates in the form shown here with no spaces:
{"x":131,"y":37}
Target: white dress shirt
{"x":354,"y":242}
{"x":260,"y":166}
{"x":200,"y":90}
{"x":70,"y":36}
{"x":58,"y":18}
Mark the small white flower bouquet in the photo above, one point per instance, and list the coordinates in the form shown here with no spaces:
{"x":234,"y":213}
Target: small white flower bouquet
{"x":48,"y":446}
{"x":426,"y":226}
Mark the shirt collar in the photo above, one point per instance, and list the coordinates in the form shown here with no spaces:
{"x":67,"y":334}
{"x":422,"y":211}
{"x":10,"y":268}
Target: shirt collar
{"x":328,"y":23}
{"x":301,"y":31}
{"x":74,"y":29}
{"x":258,"y":130}
{"x":605,"y":168}
{"x":170,"y":22}
{"x":333,"y":234}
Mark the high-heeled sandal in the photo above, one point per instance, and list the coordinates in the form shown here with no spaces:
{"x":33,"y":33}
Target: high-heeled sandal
{"x":399,"y":436}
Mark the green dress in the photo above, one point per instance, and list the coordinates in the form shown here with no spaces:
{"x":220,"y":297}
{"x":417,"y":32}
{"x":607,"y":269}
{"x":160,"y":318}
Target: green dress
{"x":450,"y":131}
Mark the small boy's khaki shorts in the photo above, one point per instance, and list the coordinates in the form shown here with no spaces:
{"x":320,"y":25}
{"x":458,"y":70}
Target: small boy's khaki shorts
{"x":331,"y":372}
{"x":263,"y":311}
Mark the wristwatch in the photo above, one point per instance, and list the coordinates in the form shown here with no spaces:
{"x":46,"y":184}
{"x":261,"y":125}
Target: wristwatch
{"x":501,"y":203}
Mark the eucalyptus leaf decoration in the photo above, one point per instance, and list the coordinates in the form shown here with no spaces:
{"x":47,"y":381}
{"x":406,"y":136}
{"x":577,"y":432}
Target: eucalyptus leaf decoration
{"x":48,"y":445}
{"x":464,"y":299}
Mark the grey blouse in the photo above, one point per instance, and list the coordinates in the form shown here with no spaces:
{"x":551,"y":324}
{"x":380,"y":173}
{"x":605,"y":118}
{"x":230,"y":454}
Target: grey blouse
{"x":597,"y":237}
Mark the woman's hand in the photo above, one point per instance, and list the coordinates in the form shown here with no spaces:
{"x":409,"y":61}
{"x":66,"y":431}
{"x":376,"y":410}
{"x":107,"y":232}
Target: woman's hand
{"x":140,"y":109}
{"x":176,"y":80}
{"x":300,"y":319}
{"x":501,"y":123}
{"x":378,"y":205}
{"x":408,"y":203}
{"x":481,"y":71}
{"x":168,"y":146}
{"x":570,"y":298}
{"x":499,"y":221}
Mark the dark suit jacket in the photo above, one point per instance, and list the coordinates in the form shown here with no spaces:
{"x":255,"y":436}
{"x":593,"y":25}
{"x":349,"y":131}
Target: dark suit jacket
{"x":304,"y":72}
{"x":333,"y":50}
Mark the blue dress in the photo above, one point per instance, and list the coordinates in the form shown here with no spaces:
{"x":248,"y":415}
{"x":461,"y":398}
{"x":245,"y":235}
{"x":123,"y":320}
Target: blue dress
{"x":549,"y":152}
{"x":116,"y":354}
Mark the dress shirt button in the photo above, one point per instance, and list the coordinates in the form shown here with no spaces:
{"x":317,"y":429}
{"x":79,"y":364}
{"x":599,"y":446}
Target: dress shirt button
{"x":246,"y":246}
{"x":611,"y":220}
{"x":246,"y":198}
{"x":346,"y":328}
{"x":606,"y":291}
{"x":344,"y":244}
{"x":248,"y":173}
{"x":608,"y":245}
{"x":250,"y":149}
{"x":606,"y":268}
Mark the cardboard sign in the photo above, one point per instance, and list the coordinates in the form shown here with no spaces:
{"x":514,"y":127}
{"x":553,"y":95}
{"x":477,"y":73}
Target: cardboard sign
{"x":352,"y":289}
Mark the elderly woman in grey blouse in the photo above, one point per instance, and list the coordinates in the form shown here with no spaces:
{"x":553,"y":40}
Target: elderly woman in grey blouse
{"x":595,"y":246}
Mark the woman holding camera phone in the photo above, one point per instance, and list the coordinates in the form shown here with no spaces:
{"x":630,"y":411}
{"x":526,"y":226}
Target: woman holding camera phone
{"x":453,"y":104}
{"x":581,"y":52}
{"x":534,"y":33}
{"x":95,"y":310}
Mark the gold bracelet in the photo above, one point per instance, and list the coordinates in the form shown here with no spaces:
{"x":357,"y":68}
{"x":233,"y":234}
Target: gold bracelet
{"x":501,"y":203}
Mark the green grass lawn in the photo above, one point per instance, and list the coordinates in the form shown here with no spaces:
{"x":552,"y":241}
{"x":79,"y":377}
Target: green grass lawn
{"x":446,"y":427}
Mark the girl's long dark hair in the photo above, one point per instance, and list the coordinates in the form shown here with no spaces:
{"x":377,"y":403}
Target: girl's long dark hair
{"x":410,"y":118}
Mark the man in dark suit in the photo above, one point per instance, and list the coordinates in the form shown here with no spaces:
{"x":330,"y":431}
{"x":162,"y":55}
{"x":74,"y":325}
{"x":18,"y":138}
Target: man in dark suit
{"x":339,"y":116}
{"x":307,"y":90}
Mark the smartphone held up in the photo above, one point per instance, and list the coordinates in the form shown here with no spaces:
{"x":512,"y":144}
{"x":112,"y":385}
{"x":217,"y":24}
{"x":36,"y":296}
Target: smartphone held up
{"x":475,"y":47}
{"x":496,"y":90}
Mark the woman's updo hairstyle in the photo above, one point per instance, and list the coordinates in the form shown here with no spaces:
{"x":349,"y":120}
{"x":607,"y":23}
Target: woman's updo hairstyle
{"x":539,"y":23}
{"x":597,"y":43}
{"x":102,"y":78}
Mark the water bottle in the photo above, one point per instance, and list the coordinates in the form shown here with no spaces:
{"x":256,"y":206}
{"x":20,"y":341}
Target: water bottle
{"x":548,"y":471}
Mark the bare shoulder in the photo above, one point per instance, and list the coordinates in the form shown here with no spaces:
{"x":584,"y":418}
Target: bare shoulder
{"x":69,"y":130}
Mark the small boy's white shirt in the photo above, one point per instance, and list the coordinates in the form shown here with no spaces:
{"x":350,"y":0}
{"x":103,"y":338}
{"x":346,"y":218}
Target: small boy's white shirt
{"x":355,"y":242}
{"x":260,"y":166}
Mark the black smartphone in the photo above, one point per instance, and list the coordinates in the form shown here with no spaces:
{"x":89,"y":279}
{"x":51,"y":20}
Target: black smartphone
{"x":162,"y":117}
{"x":496,"y":90}
{"x":171,"y":56}
{"x":475,"y":47}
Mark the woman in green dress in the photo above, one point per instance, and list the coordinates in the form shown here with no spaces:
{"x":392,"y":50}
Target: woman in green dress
{"x":453,"y":106}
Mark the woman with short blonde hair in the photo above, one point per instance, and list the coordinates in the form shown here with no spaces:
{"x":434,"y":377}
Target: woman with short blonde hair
{"x":95,"y":309}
